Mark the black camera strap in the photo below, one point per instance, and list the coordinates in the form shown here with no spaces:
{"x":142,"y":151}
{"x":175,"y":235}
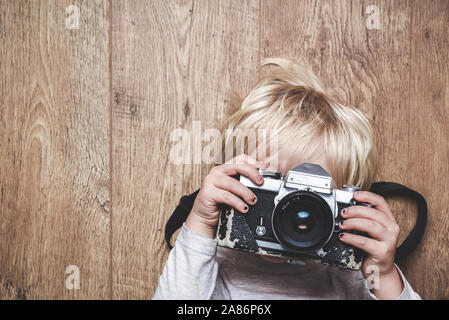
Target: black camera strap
{"x":179,"y":216}
{"x":385,"y":189}
{"x":412,"y":241}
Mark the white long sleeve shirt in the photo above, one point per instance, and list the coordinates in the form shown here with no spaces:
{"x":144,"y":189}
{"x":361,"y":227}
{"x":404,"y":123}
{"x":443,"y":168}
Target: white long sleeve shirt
{"x":199,"y":269}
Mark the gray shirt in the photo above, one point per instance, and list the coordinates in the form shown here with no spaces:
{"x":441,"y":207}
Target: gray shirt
{"x":199,"y":269}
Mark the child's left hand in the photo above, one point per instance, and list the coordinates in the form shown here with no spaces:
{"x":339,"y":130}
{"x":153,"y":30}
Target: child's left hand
{"x":378,"y":222}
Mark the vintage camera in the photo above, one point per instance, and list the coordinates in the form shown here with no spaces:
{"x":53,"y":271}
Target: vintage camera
{"x":295,"y":216}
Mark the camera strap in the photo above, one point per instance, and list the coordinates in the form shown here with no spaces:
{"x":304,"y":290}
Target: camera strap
{"x":384,"y":189}
{"x":413,"y":239}
{"x":179,"y":216}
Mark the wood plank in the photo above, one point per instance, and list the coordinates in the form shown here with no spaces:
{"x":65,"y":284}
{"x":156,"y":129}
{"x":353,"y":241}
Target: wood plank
{"x":224,"y":61}
{"x":150,"y":44}
{"x":174,"y":62}
{"x":54,"y":168}
{"x":428,"y":142}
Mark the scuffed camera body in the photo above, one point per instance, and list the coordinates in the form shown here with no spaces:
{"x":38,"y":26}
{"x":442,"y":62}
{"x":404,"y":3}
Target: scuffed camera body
{"x":295,"y":216}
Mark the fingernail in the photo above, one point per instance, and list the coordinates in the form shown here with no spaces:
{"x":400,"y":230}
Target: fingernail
{"x":357,"y":194}
{"x":254,"y":199}
{"x":245,"y":208}
{"x":260,"y":178}
{"x":341,"y":235}
{"x":342,"y":222}
{"x":344,"y":211}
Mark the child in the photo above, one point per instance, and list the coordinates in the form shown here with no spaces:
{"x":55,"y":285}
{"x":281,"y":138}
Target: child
{"x":313,"y":127}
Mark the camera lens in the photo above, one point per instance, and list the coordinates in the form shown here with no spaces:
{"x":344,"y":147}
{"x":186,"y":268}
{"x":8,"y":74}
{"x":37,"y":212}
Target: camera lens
{"x":303,"y":221}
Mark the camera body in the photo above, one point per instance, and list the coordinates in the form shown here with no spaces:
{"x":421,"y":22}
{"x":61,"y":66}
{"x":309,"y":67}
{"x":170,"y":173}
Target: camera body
{"x":296,"y":215}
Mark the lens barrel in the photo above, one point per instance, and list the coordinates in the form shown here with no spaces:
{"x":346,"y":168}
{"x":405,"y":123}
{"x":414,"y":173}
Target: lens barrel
{"x":303,"y":221}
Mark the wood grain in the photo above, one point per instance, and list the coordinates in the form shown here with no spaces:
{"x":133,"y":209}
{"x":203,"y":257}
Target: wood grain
{"x":428,"y":141}
{"x":54,"y":167}
{"x":86,"y":118}
{"x":150,"y":64}
{"x":223,"y":60}
{"x":173,"y":62}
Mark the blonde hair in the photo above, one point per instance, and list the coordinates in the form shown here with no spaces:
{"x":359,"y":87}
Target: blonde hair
{"x":307,"y":120}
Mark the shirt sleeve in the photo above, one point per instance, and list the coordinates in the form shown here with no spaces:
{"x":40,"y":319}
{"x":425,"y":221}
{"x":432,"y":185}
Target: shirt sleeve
{"x":191,"y":268}
{"x":407,"y":294}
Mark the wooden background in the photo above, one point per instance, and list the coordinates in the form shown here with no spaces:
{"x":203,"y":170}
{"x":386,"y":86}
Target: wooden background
{"x":86,"y":117}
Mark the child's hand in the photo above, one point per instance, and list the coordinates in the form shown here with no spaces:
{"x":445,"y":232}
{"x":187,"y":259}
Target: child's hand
{"x":380,"y":224}
{"x":219,"y":187}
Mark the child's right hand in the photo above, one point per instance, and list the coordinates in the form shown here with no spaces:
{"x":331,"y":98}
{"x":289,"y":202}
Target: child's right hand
{"x":218,"y":187}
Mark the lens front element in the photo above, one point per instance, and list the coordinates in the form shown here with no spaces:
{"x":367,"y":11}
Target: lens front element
{"x":303,"y":221}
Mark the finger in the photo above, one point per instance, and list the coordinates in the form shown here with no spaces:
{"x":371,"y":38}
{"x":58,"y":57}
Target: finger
{"x":246,"y":159}
{"x":236,"y":187}
{"x":226,"y":197}
{"x":366,"y":244}
{"x":245,"y":169}
{"x":365,"y":213}
{"x":376,"y":200}
{"x":371,"y":227}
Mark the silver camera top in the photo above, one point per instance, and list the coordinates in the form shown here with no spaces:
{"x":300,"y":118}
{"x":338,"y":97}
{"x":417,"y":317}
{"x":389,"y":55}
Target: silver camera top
{"x":311,"y":177}
{"x":307,"y":177}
